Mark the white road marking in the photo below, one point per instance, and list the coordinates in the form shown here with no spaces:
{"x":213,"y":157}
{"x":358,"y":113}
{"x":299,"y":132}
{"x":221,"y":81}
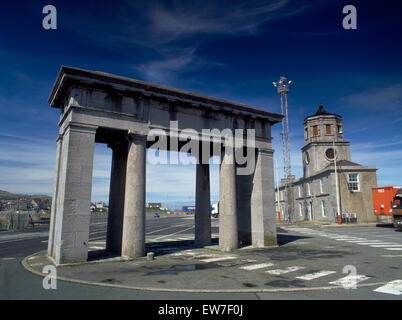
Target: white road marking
{"x":185,"y":252}
{"x":201,"y":256}
{"x":170,"y":227}
{"x":95,"y":232}
{"x":395,"y":249}
{"x":92,"y":224}
{"x":6,"y":259}
{"x":36,"y":264}
{"x":97,"y":248}
{"x":393,"y":287}
{"x":168,"y":235}
{"x":218,"y":259}
{"x":349,"y":280}
{"x":368,"y":243}
{"x":385,"y":245}
{"x":374,"y":243}
{"x":315,"y":275}
{"x":257,"y":266}
{"x":98,"y":238}
{"x":392,"y":255}
{"x":283,"y":271}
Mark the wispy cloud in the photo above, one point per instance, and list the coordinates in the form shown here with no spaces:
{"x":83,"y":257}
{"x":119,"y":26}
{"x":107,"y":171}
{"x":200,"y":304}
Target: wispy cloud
{"x":379,"y":99}
{"x":175,"y":24}
{"x":185,"y":19}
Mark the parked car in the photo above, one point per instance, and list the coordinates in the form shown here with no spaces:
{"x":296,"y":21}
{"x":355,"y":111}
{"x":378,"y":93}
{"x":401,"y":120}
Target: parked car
{"x":156,"y":215}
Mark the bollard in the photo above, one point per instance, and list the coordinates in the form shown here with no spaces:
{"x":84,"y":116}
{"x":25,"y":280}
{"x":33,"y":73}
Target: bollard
{"x":150,"y":256}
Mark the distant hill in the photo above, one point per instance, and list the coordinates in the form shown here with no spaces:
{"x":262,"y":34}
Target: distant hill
{"x":5,"y":195}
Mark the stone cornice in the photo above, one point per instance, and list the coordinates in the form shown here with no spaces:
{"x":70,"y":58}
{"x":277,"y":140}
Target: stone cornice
{"x":68,"y":76}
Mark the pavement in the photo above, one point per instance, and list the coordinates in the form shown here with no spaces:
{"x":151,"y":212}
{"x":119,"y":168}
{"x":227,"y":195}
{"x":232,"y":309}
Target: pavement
{"x":298,"y":264}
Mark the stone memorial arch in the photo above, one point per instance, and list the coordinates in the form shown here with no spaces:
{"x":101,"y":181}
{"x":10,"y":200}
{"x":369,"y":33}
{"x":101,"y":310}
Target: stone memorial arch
{"x":125,"y":113}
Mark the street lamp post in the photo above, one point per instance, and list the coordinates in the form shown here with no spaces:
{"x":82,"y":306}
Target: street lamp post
{"x":338,"y":205}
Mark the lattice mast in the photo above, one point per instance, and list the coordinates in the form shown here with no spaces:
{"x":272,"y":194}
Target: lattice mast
{"x":283,"y":88}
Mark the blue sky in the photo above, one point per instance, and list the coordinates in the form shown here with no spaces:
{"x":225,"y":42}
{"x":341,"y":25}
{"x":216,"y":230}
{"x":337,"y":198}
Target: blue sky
{"x":227,"y":49}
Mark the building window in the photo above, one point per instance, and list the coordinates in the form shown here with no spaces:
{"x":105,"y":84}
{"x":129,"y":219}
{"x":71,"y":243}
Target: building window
{"x":281,"y":195}
{"x":353,"y":182}
{"x":321,"y":185}
{"x":308,"y":189}
{"x":315,"y":130}
{"x":328,"y":128}
{"x":323,"y":208}
{"x":300,"y":209}
{"x":300,"y":191}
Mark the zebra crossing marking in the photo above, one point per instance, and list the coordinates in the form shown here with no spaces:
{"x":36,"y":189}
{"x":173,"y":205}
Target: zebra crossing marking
{"x":370,"y":244}
{"x":349,"y":280}
{"x":218,"y":259}
{"x":385,"y":245}
{"x":395,"y":249}
{"x":284,"y":271}
{"x":257,"y":266}
{"x":393,"y":287}
{"x":315,"y":275}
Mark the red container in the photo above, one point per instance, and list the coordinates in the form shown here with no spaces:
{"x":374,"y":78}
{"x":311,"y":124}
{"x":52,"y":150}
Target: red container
{"x":382,"y":199}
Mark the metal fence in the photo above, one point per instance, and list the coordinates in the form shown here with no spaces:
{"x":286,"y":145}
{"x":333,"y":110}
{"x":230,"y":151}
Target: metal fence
{"x":98,"y":217}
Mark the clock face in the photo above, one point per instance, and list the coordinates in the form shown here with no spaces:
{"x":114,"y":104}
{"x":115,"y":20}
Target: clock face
{"x":307,"y":158}
{"x":330,"y":154}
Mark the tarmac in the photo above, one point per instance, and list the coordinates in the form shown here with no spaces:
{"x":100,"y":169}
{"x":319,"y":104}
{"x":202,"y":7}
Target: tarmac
{"x":179,"y":266}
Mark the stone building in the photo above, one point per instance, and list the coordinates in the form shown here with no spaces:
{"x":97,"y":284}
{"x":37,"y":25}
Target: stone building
{"x":314,"y":196}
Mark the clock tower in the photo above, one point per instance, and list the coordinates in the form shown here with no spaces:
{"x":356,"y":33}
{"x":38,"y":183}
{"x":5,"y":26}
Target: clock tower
{"x":322,"y":132}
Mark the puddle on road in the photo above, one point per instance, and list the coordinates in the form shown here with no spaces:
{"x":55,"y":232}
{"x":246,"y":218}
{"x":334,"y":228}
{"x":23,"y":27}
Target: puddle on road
{"x":249,"y":285}
{"x":110,"y":280}
{"x":174,"y":270}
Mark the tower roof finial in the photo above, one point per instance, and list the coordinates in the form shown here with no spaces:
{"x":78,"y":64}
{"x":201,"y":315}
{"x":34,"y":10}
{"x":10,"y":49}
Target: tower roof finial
{"x":323,"y":112}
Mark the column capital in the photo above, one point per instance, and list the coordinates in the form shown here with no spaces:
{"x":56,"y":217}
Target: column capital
{"x":80,"y":127}
{"x":265,"y":151}
{"x":132,"y":136}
